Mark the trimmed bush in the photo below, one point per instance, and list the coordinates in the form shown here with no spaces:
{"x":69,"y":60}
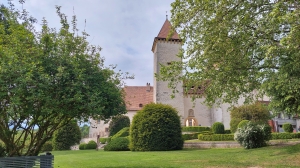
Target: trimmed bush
{"x":243,"y":123}
{"x":117,"y":123}
{"x":287,"y":127}
{"x":47,"y":146}
{"x":156,"y":127}
{"x":103,"y":140}
{"x":118,"y":144}
{"x":190,"y":136}
{"x":66,"y":136}
{"x":285,"y":135}
{"x":82,"y":146}
{"x":122,"y":133}
{"x":195,"y":129}
{"x":91,"y":145}
{"x":257,"y":113}
{"x":218,"y":128}
{"x":216,"y":137}
{"x":227,"y":131}
{"x":253,"y":135}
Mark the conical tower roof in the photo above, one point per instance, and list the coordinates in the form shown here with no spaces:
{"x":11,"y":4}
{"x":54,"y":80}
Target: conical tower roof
{"x":165,"y":30}
{"x":164,"y":34}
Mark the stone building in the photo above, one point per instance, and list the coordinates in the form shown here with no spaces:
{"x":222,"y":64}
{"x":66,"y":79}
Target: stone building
{"x":191,"y":113}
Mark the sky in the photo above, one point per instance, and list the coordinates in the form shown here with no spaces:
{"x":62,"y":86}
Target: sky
{"x":124,"y":29}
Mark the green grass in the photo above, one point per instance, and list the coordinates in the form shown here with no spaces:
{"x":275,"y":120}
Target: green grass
{"x":272,"y":156}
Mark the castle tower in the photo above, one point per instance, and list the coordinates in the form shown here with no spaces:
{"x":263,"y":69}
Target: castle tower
{"x":165,"y":51}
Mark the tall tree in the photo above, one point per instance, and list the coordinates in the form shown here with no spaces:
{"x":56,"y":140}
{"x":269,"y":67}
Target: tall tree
{"x":234,"y":47}
{"x":47,"y":79}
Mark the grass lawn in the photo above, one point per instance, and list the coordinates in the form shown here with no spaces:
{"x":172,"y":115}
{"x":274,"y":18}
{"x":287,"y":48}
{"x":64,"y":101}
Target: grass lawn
{"x":272,"y":156}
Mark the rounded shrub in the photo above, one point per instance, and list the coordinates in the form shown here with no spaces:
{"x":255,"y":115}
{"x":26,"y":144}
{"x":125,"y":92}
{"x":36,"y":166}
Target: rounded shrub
{"x":82,"y":146}
{"x":243,"y":123}
{"x":118,"y":144}
{"x":66,"y":136}
{"x":91,"y":145}
{"x":253,"y":135}
{"x":218,"y":128}
{"x":234,"y":124}
{"x":287,"y":127}
{"x":117,"y":123}
{"x":47,"y":146}
{"x":156,"y":127}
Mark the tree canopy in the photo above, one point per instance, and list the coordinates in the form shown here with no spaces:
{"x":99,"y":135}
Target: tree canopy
{"x":49,"y":78}
{"x":234,"y":48}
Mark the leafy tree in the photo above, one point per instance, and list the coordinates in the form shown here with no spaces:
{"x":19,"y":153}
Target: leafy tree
{"x":257,"y":113}
{"x":66,"y":136}
{"x":236,"y":47}
{"x":287,"y":127}
{"x":84,"y":131}
{"x":155,"y":128}
{"x":47,"y":79}
{"x":117,"y":123}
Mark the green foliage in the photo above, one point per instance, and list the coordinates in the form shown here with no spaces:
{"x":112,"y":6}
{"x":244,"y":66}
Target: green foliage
{"x":2,"y":150}
{"x":103,"y":140}
{"x":190,"y":136}
{"x":257,"y":113}
{"x":82,"y":146}
{"x":218,"y":128}
{"x":156,"y":127}
{"x":234,"y":46}
{"x":285,"y":135}
{"x":287,"y":127}
{"x":195,"y":129}
{"x":243,"y":123}
{"x":216,"y":137}
{"x":117,"y":123}
{"x":91,"y":145}
{"x":47,"y":147}
{"x":84,"y":131}
{"x":49,"y":77}
{"x":124,"y":132}
{"x":227,"y":131}
{"x":66,"y":136}
{"x":253,"y":135}
{"x":118,"y":144}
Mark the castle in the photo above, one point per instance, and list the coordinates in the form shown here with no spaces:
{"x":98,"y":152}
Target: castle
{"x":191,"y":113}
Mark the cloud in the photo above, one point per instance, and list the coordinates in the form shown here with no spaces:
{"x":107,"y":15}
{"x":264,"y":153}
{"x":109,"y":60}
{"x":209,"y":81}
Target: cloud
{"x":124,"y":29}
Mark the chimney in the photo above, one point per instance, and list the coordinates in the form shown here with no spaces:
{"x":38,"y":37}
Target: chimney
{"x":148,"y":87}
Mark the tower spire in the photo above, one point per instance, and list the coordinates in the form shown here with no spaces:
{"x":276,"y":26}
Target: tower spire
{"x":167,"y":15}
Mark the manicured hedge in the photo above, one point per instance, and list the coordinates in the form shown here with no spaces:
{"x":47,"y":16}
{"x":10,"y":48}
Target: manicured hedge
{"x":118,"y":144}
{"x":104,"y":140}
{"x":195,"y":129}
{"x":90,"y":145}
{"x":285,"y":135}
{"x":216,"y":137}
{"x":228,"y":131}
{"x":190,"y":136}
{"x":124,"y":132}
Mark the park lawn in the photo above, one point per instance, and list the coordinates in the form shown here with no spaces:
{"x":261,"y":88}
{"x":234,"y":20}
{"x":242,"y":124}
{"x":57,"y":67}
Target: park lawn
{"x":272,"y":156}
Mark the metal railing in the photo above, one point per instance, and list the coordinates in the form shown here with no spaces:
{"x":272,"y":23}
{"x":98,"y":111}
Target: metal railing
{"x":42,"y":161}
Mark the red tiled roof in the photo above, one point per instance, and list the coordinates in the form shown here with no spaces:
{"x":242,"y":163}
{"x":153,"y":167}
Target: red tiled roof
{"x":165,"y":30}
{"x":136,"y":95}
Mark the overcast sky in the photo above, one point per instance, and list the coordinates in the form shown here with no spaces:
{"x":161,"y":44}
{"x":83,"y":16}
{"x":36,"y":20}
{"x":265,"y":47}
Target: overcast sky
{"x":125,"y":29}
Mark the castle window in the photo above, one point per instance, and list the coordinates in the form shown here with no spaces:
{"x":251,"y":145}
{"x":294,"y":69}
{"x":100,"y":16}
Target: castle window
{"x":169,"y":63}
{"x":140,"y":105}
{"x":106,"y":129}
{"x":191,"y":113}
